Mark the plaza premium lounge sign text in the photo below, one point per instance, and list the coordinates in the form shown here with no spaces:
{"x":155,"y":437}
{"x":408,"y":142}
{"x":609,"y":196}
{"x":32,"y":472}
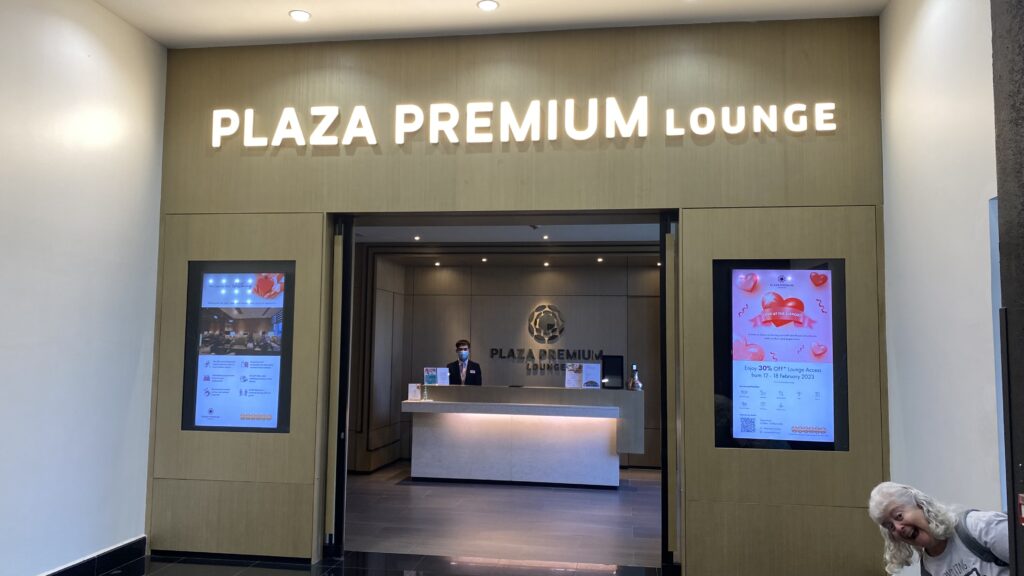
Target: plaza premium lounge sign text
{"x":485,"y":122}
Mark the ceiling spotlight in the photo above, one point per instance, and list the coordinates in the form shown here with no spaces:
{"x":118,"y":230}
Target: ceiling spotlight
{"x":659,"y":263}
{"x":300,"y":15}
{"x":599,"y":259}
{"x":483,"y":259}
{"x":416,"y":238}
{"x":545,"y":236}
{"x":487,"y":5}
{"x":546,"y":264}
{"x":437,"y":263}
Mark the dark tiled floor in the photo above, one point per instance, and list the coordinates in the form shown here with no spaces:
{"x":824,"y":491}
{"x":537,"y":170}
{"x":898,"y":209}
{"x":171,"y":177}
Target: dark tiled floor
{"x":388,"y":512}
{"x":376,"y":564}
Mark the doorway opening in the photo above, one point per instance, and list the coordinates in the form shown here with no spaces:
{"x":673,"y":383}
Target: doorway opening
{"x":541,"y":299}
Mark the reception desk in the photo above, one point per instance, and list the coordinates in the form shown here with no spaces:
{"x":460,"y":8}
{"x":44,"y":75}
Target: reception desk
{"x":547,"y":435}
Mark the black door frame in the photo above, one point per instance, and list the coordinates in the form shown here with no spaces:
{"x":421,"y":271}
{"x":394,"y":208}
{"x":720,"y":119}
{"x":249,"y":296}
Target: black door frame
{"x":344,"y":225}
{"x":1007,"y":75}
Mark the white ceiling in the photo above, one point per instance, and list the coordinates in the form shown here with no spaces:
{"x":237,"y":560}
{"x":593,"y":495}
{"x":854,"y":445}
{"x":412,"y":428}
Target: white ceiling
{"x":196,"y":23}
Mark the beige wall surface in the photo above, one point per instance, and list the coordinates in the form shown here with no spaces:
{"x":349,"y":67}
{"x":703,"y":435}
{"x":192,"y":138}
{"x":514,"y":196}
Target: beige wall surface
{"x":737,"y":494}
{"x":678,"y":67}
{"x":265,"y":474}
{"x":791,"y":509}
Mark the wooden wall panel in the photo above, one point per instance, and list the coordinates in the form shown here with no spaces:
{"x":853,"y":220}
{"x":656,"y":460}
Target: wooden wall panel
{"x":644,"y":280}
{"x":751,"y":538}
{"x":447,"y":280}
{"x":438,"y":321}
{"x":230,"y":455}
{"x":399,"y":390}
{"x":265,"y":519}
{"x":791,"y":484}
{"x":643,"y":346}
{"x":380,"y":376}
{"x":554,"y":281}
{"x":591,"y":323}
{"x":196,"y":458}
{"x":675,"y":66}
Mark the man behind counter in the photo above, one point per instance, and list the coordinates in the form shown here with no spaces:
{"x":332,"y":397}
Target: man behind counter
{"x":464,"y":370}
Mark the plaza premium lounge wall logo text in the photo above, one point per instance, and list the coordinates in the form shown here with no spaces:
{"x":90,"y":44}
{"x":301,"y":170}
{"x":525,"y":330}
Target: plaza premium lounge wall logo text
{"x":546,"y":324}
{"x":485,"y":122}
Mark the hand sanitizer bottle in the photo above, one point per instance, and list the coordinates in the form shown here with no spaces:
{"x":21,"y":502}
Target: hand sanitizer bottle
{"x":634,"y":380}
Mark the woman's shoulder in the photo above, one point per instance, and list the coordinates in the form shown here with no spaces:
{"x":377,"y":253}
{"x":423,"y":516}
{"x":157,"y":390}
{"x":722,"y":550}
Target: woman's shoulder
{"x":980,"y":521}
{"x":991,"y":530}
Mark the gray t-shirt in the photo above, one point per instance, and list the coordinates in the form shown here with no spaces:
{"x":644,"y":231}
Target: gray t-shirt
{"x":990,"y":530}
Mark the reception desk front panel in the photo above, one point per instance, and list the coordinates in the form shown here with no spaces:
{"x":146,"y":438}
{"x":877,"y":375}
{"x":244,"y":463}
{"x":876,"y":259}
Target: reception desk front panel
{"x":560,"y":444}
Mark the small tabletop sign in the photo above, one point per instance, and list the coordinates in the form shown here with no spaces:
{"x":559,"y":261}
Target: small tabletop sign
{"x":591,"y":375}
{"x":574,"y":375}
{"x":582,"y":375}
{"x":415,"y":392}
{"x":435,"y":376}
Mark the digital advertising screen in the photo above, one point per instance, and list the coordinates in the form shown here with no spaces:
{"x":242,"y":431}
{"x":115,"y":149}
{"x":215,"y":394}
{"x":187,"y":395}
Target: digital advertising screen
{"x":238,"y":346}
{"x":780,"y":354}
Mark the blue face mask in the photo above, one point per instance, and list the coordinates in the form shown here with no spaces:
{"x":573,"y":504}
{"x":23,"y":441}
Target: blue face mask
{"x":463,"y":355}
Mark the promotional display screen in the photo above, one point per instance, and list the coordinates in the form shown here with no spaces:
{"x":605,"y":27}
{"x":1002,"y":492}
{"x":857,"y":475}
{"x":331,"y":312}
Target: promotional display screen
{"x":780,"y":354}
{"x":238,"y":346}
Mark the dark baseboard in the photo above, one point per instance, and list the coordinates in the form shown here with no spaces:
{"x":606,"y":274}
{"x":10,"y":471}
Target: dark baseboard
{"x":110,"y":560}
{"x":216,"y":556}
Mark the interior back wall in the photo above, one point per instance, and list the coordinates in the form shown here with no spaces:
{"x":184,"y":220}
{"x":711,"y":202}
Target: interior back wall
{"x":419,"y":313}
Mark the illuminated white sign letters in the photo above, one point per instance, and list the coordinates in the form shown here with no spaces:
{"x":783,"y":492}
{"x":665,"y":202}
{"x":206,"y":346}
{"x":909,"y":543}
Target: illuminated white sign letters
{"x":477,"y":122}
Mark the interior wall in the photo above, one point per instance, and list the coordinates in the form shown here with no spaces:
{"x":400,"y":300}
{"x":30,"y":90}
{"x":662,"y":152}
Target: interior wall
{"x":375,"y":435}
{"x":81,"y":120}
{"x":419,"y":312}
{"x":939,"y":173}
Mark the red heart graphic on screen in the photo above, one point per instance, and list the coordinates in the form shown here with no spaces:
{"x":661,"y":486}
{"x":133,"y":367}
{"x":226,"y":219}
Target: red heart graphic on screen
{"x":819,"y":350}
{"x":818,"y":279}
{"x":269,"y":286}
{"x":770,"y":300}
{"x":747,"y":282}
{"x":781,"y":312}
{"x":755,"y":352}
{"x":743,"y":350}
{"x":794,"y":303}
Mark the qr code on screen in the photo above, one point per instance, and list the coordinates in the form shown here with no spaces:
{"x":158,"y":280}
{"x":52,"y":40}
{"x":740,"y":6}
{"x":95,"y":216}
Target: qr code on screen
{"x":747,"y":425}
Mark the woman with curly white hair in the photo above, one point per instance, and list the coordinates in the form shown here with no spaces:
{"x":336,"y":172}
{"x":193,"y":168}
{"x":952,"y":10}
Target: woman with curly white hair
{"x":950,"y":542}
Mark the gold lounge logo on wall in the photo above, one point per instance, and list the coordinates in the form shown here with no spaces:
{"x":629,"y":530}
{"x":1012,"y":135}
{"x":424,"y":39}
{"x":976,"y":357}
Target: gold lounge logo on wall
{"x":483,"y":122}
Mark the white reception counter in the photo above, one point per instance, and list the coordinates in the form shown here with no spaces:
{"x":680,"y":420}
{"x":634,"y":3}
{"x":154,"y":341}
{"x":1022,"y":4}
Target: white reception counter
{"x":515,"y":442}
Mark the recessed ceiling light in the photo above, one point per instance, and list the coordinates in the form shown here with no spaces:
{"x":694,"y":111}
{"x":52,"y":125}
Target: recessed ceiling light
{"x":599,"y":259}
{"x":300,"y":15}
{"x":487,"y":5}
{"x":437,"y":263}
{"x":483,"y":259}
{"x":546,"y":264}
{"x":545,"y":236}
{"x":416,"y":238}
